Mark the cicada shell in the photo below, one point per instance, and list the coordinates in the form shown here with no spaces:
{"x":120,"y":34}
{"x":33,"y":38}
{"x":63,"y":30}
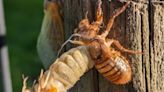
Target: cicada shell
{"x":108,"y":61}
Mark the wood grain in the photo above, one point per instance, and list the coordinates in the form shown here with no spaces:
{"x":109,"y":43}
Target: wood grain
{"x":157,"y":48}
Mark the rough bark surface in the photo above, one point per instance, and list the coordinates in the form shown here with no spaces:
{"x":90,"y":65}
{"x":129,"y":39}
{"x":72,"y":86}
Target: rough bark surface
{"x":141,"y":27}
{"x":157,"y":47}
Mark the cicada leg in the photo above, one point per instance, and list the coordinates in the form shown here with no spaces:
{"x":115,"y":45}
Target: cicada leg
{"x":111,"y":20}
{"x":121,"y":48}
{"x":77,"y":42}
{"x":99,"y":14}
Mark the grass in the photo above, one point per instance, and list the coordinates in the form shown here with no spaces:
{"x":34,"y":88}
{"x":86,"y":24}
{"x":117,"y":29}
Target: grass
{"x":23,"y":21}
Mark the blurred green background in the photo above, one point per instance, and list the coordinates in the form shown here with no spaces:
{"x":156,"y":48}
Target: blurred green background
{"x":23,"y":22}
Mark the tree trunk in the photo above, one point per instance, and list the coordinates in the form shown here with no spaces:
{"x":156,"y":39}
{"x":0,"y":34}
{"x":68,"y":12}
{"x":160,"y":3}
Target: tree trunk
{"x":141,"y":27}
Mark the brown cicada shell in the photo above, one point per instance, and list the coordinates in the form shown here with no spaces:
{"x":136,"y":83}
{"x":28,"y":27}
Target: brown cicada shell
{"x":109,"y":62}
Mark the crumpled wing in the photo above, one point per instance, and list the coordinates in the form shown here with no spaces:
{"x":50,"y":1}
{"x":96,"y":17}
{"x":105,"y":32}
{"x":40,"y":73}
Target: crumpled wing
{"x":51,"y":36}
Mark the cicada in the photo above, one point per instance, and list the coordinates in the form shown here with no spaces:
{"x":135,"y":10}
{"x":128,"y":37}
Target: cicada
{"x":95,"y":50}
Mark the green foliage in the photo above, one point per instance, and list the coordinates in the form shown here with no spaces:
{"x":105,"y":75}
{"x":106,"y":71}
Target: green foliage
{"x":23,"y":21}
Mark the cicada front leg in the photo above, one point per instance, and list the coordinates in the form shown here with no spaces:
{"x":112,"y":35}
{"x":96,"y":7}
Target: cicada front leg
{"x":111,"y":20}
{"x":99,"y":14}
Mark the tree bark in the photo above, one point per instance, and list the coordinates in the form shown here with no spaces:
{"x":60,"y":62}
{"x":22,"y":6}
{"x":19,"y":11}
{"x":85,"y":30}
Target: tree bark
{"x":141,"y":27}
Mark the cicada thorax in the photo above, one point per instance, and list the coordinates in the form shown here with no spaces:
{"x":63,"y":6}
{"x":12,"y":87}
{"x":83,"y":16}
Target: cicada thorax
{"x":110,"y":63}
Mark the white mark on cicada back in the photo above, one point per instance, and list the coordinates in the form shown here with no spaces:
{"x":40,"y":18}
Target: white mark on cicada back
{"x":120,"y":63}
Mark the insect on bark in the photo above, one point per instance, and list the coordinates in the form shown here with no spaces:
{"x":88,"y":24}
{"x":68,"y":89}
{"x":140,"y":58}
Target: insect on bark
{"x":108,"y":61}
{"x":96,"y":50}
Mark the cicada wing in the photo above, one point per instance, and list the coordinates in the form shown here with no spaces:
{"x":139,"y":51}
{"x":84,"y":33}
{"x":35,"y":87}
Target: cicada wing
{"x":51,"y":36}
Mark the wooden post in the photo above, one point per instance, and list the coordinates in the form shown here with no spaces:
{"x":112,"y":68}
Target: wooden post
{"x":141,"y":27}
{"x":7,"y":86}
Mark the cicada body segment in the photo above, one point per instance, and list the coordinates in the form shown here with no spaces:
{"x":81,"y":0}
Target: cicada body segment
{"x":115,"y":69}
{"x":64,"y":72}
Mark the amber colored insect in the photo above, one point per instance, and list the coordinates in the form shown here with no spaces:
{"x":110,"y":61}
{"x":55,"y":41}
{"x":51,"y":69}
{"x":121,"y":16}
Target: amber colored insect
{"x":71,"y":65}
{"x":109,"y":62}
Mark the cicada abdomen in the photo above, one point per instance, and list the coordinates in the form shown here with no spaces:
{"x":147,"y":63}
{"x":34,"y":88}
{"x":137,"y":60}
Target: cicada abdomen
{"x":64,"y":72}
{"x":115,"y":69}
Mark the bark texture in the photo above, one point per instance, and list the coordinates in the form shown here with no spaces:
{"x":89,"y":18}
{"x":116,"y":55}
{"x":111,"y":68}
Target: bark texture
{"x":141,"y":27}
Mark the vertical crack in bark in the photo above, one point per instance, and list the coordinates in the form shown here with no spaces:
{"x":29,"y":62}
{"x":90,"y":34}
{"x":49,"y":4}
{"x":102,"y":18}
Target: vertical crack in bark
{"x":151,"y":41}
{"x":145,"y":47}
{"x":142,"y":47}
{"x":150,"y":31}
